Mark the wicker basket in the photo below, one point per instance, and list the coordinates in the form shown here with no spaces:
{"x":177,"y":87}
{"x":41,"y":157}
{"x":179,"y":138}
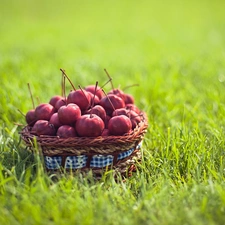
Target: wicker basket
{"x":119,"y":153}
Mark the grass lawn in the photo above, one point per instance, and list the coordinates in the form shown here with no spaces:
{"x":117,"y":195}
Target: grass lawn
{"x":175,"y":51}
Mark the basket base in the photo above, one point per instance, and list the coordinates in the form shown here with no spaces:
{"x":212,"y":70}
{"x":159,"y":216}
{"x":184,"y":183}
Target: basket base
{"x":123,"y":167}
{"x":90,"y":161}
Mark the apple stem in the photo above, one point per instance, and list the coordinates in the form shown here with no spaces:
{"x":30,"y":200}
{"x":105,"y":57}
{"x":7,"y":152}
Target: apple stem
{"x":38,"y":100}
{"x":104,"y":84}
{"x":63,"y":71}
{"x":83,"y":92}
{"x":62,"y":84}
{"x":109,"y":100}
{"x":110,"y":79}
{"x":32,"y":99}
{"x":132,"y":85}
{"x":64,"y":87}
{"x":21,"y":112}
{"x":93,"y":101}
{"x":19,"y":124}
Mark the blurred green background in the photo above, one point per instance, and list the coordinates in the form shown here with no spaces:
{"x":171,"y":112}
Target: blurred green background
{"x":159,"y":44}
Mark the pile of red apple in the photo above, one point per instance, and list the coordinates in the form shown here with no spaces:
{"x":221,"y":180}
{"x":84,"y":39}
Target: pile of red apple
{"x":85,"y":112}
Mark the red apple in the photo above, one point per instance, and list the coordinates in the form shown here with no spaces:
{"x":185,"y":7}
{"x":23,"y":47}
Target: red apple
{"x":119,"y":125}
{"x":54,"y":99}
{"x":44,"y":111}
{"x":111,"y":102}
{"x":43,"y":127}
{"x":135,"y":118}
{"x":68,"y":114}
{"x":121,"y":111}
{"x":55,"y":120}
{"x":129,"y":99}
{"x":95,"y":98}
{"x":133,"y":107}
{"x":105,"y":132}
{"x":106,"y":121}
{"x":81,"y":98}
{"x":91,"y":88}
{"x":131,"y":114}
{"x":31,"y":117}
{"x":66,"y":131}
{"x":98,"y":110}
{"x":89,"y":125}
{"x":117,"y":92}
{"x":61,"y":102}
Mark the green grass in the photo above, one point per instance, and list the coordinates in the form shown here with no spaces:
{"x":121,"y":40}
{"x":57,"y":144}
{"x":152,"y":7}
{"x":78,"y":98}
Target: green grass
{"x":175,"y":51}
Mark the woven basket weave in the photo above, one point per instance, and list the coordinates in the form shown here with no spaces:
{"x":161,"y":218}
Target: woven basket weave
{"x":119,"y":153}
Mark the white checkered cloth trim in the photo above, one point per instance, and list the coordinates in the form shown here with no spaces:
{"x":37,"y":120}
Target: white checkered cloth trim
{"x":77,"y":162}
{"x":101,"y":161}
{"x":53,"y":162}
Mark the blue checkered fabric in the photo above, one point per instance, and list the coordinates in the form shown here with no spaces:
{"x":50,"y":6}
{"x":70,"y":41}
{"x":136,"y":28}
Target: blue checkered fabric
{"x":76,"y":162}
{"x":123,"y":155}
{"x":53,"y":162}
{"x":101,"y":161}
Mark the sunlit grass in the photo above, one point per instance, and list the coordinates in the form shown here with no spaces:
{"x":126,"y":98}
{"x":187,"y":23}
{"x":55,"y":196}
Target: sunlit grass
{"x":175,"y":52}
